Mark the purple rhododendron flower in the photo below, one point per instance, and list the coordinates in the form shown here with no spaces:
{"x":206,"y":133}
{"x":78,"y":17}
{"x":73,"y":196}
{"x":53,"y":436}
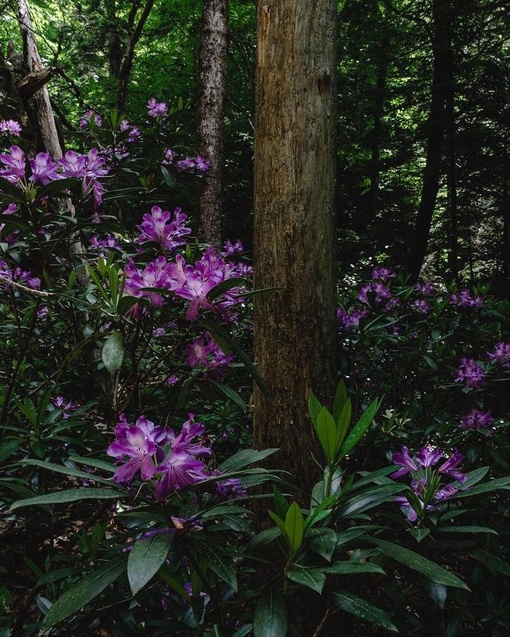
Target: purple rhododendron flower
{"x":205,"y":352}
{"x":449,"y":468}
{"x":88,"y":117}
{"x":10,"y":127}
{"x":158,"y":227}
{"x":421,"y":306}
{"x":185,"y":164}
{"x":67,"y":406}
{"x":378,"y":293}
{"x":182,"y":442}
{"x":350,"y":320}
{"x":426,"y":288}
{"x":428,"y":456}
{"x":465,"y":299}
{"x":477,"y":420}
{"x":15,"y":164}
{"x":501,"y":353}
{"x":230,"y":248}
{"x":383,"y":273}
{"x":179,"y":470}
{"x":142,"y":443}
{"x":201,"y":165}
{"x":470,"y":373}
{"x":44,"y":169}
{"x":24,"y":277}
{"x":427,"y":478}
{"x":156,"y":109}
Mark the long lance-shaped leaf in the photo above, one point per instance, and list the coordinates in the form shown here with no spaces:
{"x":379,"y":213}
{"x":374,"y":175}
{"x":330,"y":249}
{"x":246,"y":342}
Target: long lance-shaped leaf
{"x":359,"y":428}
{"x":363,"y":609}
{"x":294,"y":526}
{"x":328,"y":434}
{"x":68,"y":471}
{"x":341,"y":398}
{"x":70,"y":495}
{"x":418,"y":563}
{"x":83,"y":592}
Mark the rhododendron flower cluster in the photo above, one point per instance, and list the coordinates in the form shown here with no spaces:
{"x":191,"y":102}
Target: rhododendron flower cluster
{"x":205,"y":353}
{"x":18,"y":275}
{"x":10,"y":127}
{"x":501,"y":354}
{"x":191,"y":282}
{"x":465,"y":299}
{"x":156,"y":452}
{"x":477,"y":419}
{"x":170,"y":231}
{"x":429,"y":470}
{"x":89,"y":168}
{"x":470,"y":373}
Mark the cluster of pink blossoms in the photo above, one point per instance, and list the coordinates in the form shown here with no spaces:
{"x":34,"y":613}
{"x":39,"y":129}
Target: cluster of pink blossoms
{"x":43,"y":170}
{"x":191,"y":282}
{"x":159,"y":453}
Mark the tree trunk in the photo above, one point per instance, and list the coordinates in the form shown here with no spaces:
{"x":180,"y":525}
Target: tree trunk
{"x":452,"y":182}
{"x":211,"y":94}
{"x":441,"y":79}
{"x":134,"y":34}
{"x":294,"y":327}
{"x":43,"y":109}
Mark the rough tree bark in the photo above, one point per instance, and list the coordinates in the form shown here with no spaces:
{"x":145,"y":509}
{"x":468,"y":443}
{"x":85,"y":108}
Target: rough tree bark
{"x":294,"y":328}
{"x":210,"y":107}
{"x":41,"y":98}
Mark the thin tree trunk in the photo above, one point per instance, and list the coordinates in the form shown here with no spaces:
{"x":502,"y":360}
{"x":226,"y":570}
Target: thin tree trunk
{"x":211,"y":95}
{"x":452,"y":183}
{"x":436,"y":126}
{"x":375,"y":138}
{"x":46,"y":120}
{"x":134,"y":34}
{"x":294,"y":327}
{"x":505,"y":206}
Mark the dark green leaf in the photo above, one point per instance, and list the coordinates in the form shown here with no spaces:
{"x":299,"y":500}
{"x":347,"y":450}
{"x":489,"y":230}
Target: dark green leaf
{"x":270,"y":618}
{"x":363,"y":609}
{"x":418,"y":563}
{"x":244,"y":458}
{"x":112,"y":353}
{"x":327,"y":434}
{"x":359,"y":428}
{"x":294,"y":526}
{"x":322,"y":542}
{"x":219,"y":562}
{"x":83,"y":592}
{"x":492,"y":562}
{"x":71,"y":495}
{"x":68,"y":471}
{"x":224,"y":286}
{"x":309,"y":577}
{"x":351,"y":568}
{"x":341,"y":398}
{"x":145,"y":559}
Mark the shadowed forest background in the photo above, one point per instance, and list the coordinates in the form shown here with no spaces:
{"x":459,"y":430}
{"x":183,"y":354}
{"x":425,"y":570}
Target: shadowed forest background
{"x":255,"y":334}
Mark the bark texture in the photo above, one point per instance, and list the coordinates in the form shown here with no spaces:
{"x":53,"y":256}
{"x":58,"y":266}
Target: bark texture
{"x":211,"y":96}
{"x":42,"y":104}
{"x":294,"y":327}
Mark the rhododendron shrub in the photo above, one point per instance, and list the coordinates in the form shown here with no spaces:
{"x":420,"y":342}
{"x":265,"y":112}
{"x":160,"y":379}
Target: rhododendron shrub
{"x":438,"y":356}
